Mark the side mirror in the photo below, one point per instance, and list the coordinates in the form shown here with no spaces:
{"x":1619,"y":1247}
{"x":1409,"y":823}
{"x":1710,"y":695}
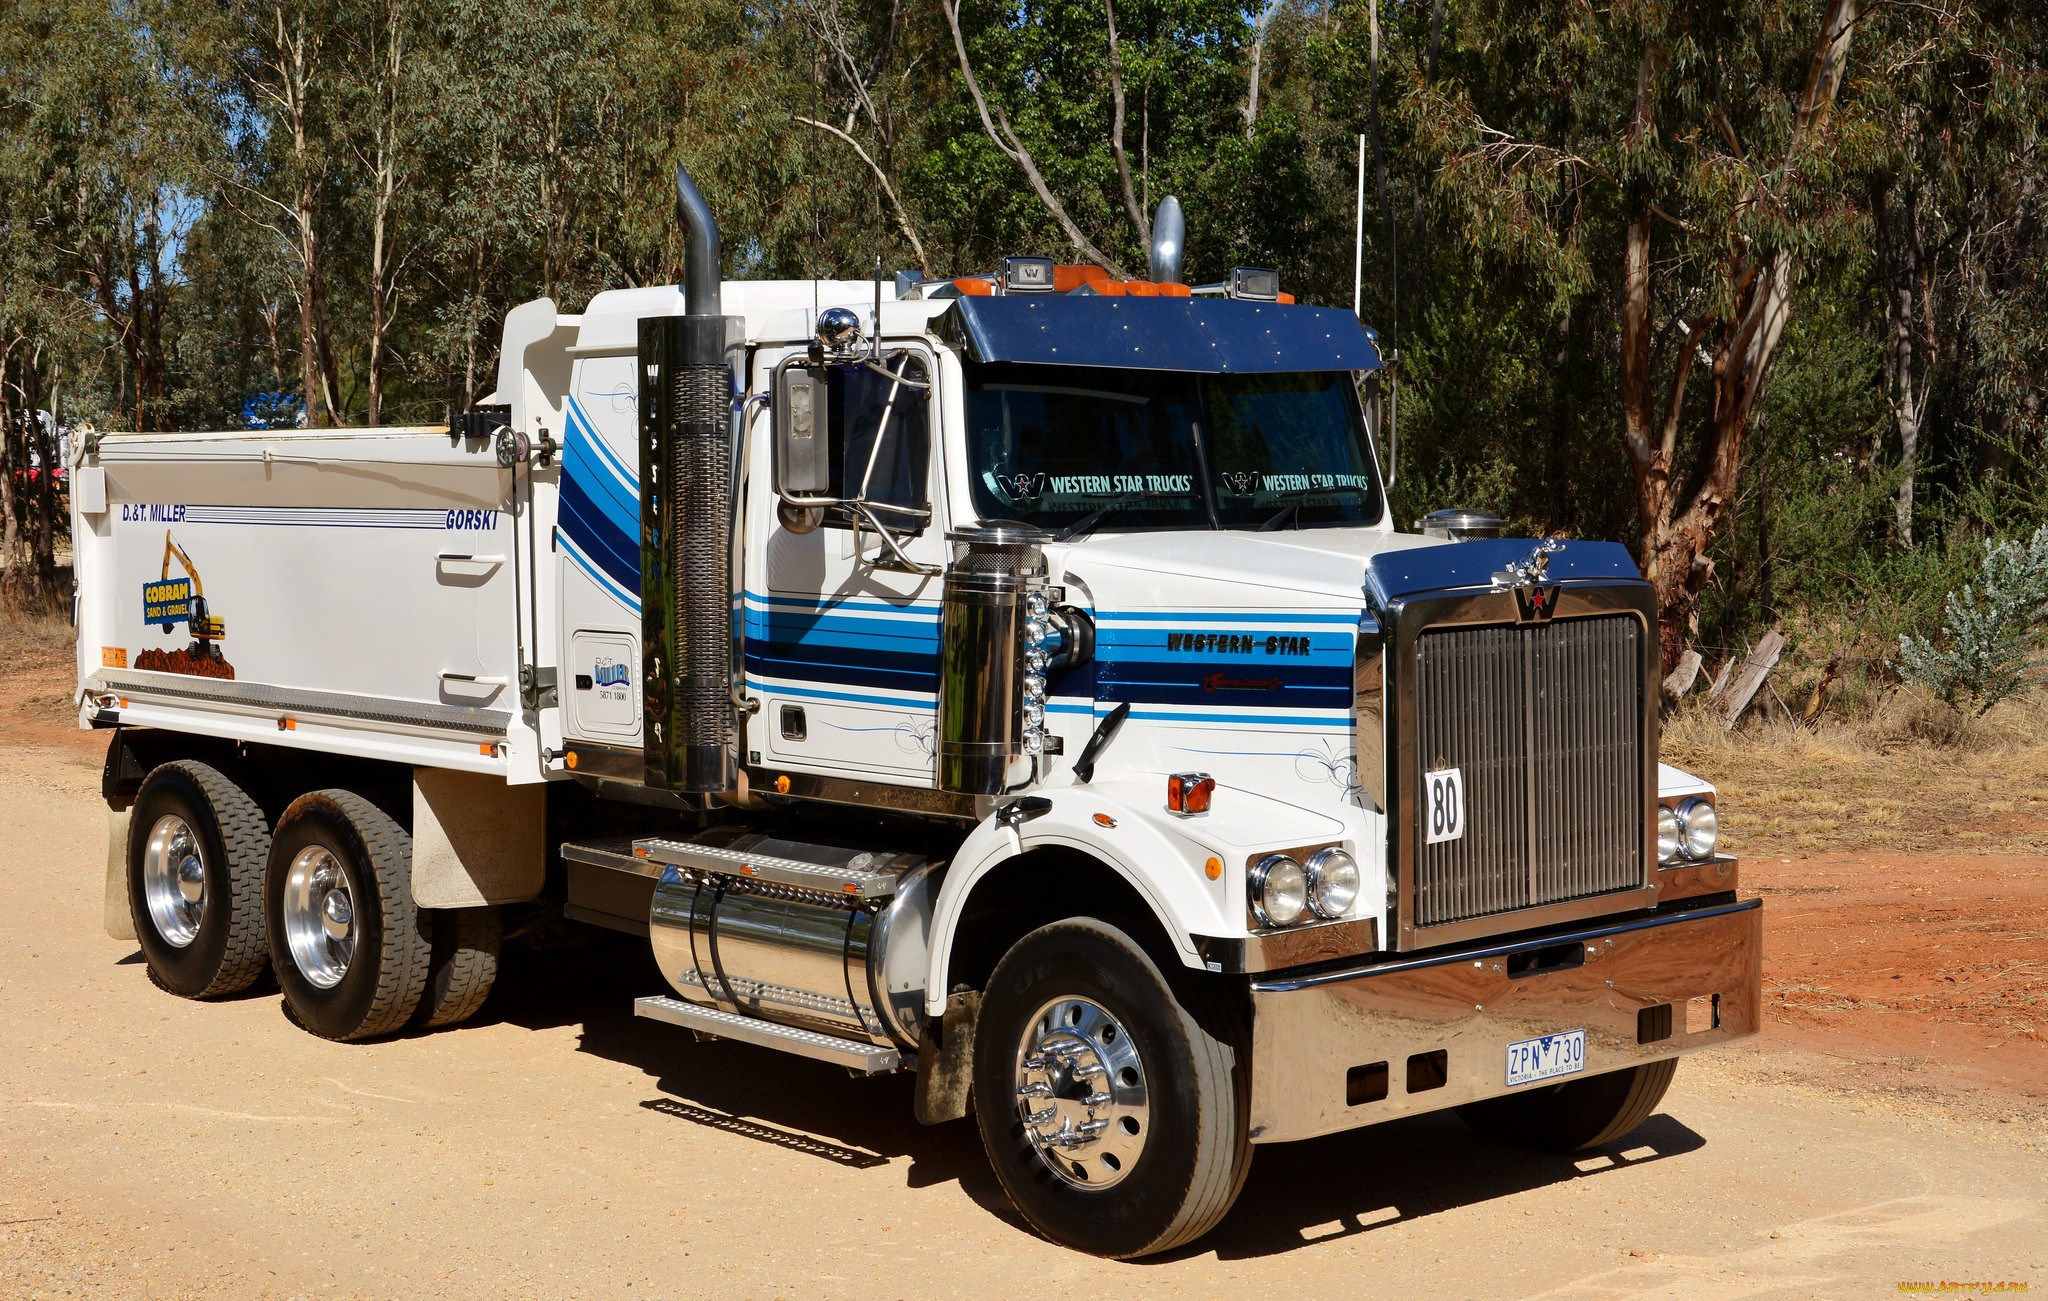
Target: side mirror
{"x":803,"y":460}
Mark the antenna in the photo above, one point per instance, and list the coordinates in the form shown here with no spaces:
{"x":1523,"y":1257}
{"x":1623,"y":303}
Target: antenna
{"x":1358,"y":238}
{"x":1394,"y":338}
{"x":875,"y":344}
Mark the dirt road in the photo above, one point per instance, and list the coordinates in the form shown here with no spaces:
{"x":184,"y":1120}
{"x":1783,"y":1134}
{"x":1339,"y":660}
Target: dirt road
{"x":554,"y":1147}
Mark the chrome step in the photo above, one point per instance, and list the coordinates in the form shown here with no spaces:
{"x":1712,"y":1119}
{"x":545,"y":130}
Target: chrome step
{"x":828,"y":869}
{"x":868,"y":1059}
{"x":615,"y":852}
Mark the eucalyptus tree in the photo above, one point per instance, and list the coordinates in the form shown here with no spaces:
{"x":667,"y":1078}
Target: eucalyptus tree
{"x":1681,"y":164}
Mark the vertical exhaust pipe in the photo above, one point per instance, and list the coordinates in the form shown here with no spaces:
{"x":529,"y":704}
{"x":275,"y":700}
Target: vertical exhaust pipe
{"x":1169,"y":243}
{"x":688,"y":380}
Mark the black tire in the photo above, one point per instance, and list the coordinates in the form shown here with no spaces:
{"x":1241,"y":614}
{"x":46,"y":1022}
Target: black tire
{"x":216,"y":947}
{"x":1196,"y":1152}
{"x":1577,"y":1114}
{"x":463,"y":966}
{"x":376,"y":987}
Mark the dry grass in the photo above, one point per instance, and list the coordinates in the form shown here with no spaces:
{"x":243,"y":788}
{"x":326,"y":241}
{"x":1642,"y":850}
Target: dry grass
{"x":35,"y":642}
{"x":37,"y":652}
{"x":1910,"y":775}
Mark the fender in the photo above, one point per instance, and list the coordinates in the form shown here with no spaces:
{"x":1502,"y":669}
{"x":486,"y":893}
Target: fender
{"x":1161,"y":856}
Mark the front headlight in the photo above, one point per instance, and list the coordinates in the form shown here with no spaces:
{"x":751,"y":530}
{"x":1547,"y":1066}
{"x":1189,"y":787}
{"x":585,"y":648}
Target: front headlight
{"x":1279,"y":890}
{"x":1332,"y":882}
{"x":1670,"y":836}
{"x":1700,"y":827}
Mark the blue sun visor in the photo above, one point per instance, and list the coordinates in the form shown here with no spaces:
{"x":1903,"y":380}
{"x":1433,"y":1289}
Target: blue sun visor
{"x":1212,"y":335}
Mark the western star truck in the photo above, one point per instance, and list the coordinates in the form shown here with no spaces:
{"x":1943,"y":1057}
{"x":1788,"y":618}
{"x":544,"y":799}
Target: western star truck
{"x":1015,"y":679}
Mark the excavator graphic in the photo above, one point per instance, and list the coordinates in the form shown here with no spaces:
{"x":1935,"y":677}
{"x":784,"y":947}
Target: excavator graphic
{"x":202,"y":657}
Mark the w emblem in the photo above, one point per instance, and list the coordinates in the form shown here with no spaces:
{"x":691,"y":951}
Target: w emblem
{"x":1021,"y":486}
{"x":1241,"y":482}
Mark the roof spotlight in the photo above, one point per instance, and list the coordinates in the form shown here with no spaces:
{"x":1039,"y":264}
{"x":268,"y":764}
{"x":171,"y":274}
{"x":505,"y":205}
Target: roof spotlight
{"x":1027,"y":275}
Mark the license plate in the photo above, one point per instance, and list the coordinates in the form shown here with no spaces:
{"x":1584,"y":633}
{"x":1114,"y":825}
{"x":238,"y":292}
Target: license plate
{"x":1547,"y":1058}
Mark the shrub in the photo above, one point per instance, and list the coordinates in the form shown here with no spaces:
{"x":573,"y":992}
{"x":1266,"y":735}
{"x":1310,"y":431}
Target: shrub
{"x":1991,"y":628}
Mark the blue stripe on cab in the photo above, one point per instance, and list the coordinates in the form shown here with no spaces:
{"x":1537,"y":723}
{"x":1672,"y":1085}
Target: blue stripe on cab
{"x":600,"y":513}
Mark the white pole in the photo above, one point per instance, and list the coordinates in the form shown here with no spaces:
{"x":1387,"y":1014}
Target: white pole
{"x":1358,"y":239}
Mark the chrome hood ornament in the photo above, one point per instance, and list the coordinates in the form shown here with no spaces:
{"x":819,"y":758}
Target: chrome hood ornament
{"x":1531,"y":569}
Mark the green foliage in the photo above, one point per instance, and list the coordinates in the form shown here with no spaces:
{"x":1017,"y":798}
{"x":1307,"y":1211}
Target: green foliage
{"x":1992,"y":629}
{"x":150,"y":212}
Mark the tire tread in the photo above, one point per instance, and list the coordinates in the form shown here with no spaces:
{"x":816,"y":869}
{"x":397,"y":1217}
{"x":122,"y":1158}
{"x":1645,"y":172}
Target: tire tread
{"x":463,"y":968}
{"x":245,"y":836}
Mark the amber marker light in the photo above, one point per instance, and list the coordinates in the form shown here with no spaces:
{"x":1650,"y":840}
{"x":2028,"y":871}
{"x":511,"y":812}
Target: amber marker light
{"x":1104,"y":820}
{"x":1188,"y":793}
{"x":569,"y":759}
{"x":782,"y":784}
{"x":1214,"y":867}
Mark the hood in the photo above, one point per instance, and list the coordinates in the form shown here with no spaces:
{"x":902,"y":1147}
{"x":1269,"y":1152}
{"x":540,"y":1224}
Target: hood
{"x":1304,"y":569}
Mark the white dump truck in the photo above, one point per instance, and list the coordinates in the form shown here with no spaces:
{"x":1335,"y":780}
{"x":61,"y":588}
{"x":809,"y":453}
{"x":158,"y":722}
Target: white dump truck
{"x":1014,"y":679}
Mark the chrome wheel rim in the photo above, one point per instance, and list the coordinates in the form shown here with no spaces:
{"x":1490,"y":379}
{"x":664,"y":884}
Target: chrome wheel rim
{"x":320,"y":916}
{"x":174,"y":880}
{"x":1081,"y":1093}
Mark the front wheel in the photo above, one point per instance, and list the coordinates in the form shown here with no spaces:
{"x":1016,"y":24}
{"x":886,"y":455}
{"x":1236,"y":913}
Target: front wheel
{"x":1577,"y":1114}
{"x":1114,"y":1113}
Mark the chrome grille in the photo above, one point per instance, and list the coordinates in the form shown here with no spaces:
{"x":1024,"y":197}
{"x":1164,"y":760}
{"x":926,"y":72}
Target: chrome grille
{"x":1545,"y":724}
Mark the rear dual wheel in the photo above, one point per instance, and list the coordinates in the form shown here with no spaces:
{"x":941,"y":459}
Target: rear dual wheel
{"x":355,"y":956}
{"x":197,"y":843}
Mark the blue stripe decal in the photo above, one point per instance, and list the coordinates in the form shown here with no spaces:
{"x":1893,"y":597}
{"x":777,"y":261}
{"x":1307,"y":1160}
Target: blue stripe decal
{"x":891,"y":672}
{"x":777,"y":689}
{"x":623,"y":595}
{"x":600,"y":506}
{"x":613,"y":551}
{"x":331,"y":517}
{"x":1261,"y":720}
{"x":922,"y":612}
{"x":1199,"y":617}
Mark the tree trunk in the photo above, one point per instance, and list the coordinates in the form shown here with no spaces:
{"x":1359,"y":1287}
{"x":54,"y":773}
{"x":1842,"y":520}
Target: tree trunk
{"x":10,"y":467}
{"x":1909,"y":331}
{"x":1675,"y":533}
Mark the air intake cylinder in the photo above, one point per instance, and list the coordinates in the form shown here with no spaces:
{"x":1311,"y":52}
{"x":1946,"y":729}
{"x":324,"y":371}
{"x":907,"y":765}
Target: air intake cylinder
{"x":991,"y":689}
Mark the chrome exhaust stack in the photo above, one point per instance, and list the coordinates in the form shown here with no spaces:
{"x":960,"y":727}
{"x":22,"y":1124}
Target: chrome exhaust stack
{"x":689,"y":377}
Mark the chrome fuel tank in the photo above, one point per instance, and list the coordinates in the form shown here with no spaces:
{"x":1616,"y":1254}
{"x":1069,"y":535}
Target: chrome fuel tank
{"x":837,"y":964}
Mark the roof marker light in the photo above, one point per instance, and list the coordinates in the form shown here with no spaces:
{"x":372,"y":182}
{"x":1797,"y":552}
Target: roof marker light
{"x":1189,"y":793}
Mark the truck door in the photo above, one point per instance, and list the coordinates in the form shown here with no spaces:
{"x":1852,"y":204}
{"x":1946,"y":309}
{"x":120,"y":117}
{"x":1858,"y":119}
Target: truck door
{"x":842,"y":633}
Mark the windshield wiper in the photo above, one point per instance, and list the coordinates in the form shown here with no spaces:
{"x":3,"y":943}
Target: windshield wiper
{"x":1094,"y":517}
{"x":1299,"y":495}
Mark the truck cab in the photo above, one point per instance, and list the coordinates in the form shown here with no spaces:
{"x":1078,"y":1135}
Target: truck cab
{"x":1016,"y":679}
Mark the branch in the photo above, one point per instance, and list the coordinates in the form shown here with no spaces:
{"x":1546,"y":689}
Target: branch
{"x":902,"y":217}
{"x":1116,"y":132}
{"x":1013,"y":148}
{"x":1675,"y":399}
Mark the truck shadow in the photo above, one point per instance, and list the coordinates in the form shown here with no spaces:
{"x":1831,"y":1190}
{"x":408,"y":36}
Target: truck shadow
{"x":1405,"y":1170}
{"x":1402,"y":1171}
{"x":792,"y":1103}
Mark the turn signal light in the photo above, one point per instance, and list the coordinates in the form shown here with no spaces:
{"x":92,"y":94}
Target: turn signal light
{"x":1190,"y":792}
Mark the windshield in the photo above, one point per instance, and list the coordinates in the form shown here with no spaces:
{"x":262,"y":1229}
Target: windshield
{"x":1122,"y":449}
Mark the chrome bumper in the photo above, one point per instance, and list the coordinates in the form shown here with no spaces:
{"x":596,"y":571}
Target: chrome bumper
{"x":1337,"y":1050}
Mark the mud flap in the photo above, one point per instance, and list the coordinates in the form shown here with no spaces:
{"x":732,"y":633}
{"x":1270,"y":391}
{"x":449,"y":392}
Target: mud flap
{"x":945,"y":1067}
